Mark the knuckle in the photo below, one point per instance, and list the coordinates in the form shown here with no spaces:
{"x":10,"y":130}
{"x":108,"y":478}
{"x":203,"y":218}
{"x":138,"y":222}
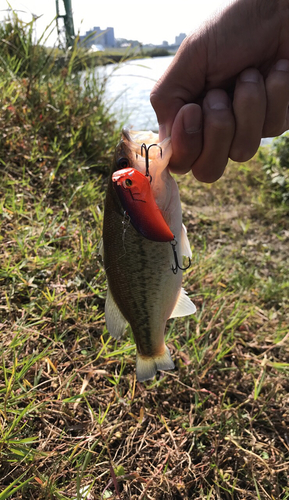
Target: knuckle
{"x":221,"y":121}
{"x":157,"y":96}
{"x":154,"y":99}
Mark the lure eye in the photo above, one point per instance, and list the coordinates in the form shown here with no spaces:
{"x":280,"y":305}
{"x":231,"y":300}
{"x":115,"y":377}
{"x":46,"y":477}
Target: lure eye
{"x":128,"y":182}
{"x":123,"y":163}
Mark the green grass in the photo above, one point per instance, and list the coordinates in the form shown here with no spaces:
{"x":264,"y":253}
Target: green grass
{"x":73,"y":415}
{"x":74,"y":422}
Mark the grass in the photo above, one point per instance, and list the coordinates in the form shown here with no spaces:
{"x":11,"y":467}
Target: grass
{"x":73,"y":415}
{"x":74,"y":422}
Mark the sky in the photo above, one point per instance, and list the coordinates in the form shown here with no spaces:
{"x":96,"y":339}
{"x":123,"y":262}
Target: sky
{"x":149,"y":21}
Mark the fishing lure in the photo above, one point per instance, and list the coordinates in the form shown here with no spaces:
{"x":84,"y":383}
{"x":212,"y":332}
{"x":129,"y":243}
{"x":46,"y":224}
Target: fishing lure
{"x":135,"y":194}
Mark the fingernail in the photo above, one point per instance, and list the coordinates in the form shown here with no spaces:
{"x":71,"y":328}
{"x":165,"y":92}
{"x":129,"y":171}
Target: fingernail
{"x":282,"y":65}
{"x":192,"y":122}
{"x":250,"y":75}
{"x":217,"y":102}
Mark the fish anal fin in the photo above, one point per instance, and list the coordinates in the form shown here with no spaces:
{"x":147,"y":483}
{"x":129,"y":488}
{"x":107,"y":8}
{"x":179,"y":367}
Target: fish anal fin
{"x":184,"y":306}
{"x":185,"y":244}
{"x":115,"y":321}
{"x":146,"y":368}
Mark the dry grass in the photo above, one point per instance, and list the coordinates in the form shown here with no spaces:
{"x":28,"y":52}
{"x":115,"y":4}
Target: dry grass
{"x":72,"y":414}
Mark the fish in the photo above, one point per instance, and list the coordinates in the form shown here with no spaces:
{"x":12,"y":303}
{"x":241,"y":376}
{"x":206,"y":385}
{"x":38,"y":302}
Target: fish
{"x":143,"y":244}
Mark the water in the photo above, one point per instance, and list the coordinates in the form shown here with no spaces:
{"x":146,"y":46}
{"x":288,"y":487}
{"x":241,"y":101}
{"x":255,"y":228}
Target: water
{"x":128,"y":91}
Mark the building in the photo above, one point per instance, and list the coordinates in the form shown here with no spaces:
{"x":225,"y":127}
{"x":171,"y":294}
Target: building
{"x":96,"y":36}
{"x":180,"y":38}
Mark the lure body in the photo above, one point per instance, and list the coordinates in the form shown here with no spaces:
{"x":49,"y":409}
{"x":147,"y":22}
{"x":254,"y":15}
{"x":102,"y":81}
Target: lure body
{"x":142,"y":288}
{"x":136,"y":196}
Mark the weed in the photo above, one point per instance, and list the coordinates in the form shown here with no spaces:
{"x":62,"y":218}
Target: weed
{"x":276,"y":166}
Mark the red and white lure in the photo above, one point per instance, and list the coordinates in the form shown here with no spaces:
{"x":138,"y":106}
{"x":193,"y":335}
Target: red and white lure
{"x":136,"y":196}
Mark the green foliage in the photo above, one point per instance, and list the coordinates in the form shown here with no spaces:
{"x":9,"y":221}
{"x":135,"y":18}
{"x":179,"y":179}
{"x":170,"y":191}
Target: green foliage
{"x":276,"y":166}
{"x":49,"y":118}
{"x":23,"y":57}
{"x":157,"y":52}
{"x":18,"y":53}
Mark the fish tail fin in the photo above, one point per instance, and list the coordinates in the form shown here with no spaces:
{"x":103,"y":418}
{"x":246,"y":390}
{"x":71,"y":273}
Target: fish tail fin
{"x":146,"y":368}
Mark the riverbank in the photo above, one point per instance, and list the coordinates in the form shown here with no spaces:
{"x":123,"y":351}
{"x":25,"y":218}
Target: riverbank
{"x":89,"y":59}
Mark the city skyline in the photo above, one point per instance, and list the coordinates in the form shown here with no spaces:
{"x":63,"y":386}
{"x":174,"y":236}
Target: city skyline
{"x":158,"y":22}
{"x":97,"y":37}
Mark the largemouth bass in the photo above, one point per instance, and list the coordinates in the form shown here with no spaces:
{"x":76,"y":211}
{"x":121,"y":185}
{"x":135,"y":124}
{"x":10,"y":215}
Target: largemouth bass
{"x":143,"y":244}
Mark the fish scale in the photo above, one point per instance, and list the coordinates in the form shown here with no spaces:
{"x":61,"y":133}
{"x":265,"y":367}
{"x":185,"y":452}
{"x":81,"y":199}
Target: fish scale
{"x":144,"y":283}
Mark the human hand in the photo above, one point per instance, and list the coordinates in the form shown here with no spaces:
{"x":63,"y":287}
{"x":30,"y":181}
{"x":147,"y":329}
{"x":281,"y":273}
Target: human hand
{"x":227,"y":87}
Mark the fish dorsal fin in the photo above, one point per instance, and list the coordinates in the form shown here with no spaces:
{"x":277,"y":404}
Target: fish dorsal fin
{"x":115,"y":321}
{"x":185,"y":244}
{"x":184,"y":306}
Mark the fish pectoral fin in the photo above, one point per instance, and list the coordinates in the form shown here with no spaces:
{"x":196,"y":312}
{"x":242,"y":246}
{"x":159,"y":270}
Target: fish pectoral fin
{"x":115,"y":321}
{"x":100,"y":248}
{"x":184,"y":306}
{"x":185,"y":244}
{"x":146,"y":368}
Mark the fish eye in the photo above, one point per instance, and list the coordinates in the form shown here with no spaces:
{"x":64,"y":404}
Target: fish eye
{"x":128,"y":182}
{"x":123,"y":163}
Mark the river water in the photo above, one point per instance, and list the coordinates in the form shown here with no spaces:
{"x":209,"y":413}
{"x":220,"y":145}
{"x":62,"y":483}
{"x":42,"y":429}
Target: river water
{"x":128,"y":90}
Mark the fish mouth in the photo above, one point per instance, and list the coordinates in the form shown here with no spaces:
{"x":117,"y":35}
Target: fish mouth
{"x":144,"y":150}
{"x":135,"y":139}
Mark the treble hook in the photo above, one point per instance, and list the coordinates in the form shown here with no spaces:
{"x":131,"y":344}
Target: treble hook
{"x":177,"y":266}
{"x":146,"y":149}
